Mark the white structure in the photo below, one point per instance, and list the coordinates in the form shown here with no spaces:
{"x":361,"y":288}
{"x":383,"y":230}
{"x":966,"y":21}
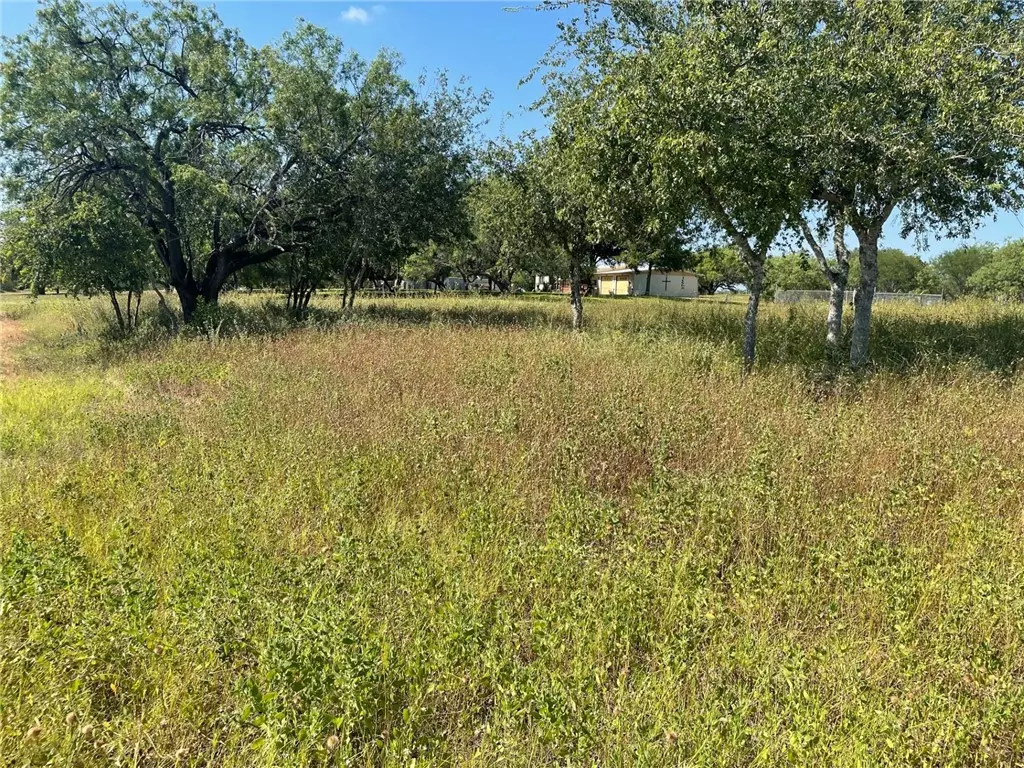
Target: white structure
{"x":624,"y":281}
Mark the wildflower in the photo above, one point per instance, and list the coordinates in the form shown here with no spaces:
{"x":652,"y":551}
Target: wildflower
{"x":34,"y":732}
{"x":88,"y":730}
{"x":332,"y":742}
{"x":70,"y":719}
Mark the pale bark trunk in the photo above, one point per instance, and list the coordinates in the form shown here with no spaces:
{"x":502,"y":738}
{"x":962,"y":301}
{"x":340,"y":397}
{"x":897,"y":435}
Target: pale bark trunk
{"x":750,"y":319}
{"x":864,"y":296}
{"x":837,"y":277}
{"x":575,"y":294}
{"x":754,"y":256}
{"x":834,"y":323}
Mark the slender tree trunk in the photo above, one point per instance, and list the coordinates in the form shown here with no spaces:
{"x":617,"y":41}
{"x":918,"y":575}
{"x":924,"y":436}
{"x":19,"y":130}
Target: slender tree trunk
{"x":647,"y":291}
{"x":864,"y":296}
{"x":836,"y":300}
{"x":837,"y":276}
{"x":750,"y":318}
{"x":117,"y":308}
{"x":164,"y":308}
{"x":575,"y":293}
{"x":356,"y":285}
{"x":138,"y":303}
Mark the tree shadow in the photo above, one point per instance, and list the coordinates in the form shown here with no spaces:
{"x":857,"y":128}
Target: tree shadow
{"x":521,"y":314}
{"x":982,"y":335}
{"x":988,"y":338}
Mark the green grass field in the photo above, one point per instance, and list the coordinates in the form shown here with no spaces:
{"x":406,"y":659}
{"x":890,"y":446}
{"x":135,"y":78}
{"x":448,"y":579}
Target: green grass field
{"x":443,"y":532}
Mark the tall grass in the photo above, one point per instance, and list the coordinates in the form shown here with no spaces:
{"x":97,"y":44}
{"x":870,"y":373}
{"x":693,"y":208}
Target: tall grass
{"x":453,"y":532}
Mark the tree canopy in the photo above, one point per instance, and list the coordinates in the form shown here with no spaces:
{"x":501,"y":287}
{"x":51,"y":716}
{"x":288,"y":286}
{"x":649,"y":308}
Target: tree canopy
{"x":757,"y":117}
{"x":228,"y":155}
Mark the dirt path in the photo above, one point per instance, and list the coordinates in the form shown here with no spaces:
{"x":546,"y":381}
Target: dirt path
{"x":11,"y":335}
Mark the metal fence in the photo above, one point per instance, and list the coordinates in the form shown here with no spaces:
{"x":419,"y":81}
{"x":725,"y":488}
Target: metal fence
{"x":921,"y":299}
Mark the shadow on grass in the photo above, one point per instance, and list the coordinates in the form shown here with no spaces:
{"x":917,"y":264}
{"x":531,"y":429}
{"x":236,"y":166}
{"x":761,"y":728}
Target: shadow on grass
{"x":982,"y":335}
{"x":986,"y":337}
{"x":518,"y":315}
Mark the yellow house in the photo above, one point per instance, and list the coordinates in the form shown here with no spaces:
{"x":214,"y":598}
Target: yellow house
{"x":624,"y":281}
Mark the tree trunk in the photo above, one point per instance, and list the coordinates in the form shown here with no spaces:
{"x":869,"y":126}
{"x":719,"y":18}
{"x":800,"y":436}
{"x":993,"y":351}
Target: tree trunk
{"x":575,"y":293}
{"x":214,"y":282}
{"x":837,"y":276}
{"x":188,"y":296}
{"x":864,"y":296}
{"x":836,"y":299}
{"x":117,"y":308}
{"x":356,"y":285}
{"x":750,"y":319}
{"x":647,"y":291}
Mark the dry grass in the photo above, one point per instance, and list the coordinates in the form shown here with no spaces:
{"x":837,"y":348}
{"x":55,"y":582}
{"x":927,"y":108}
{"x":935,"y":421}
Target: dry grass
{"x":455,"y":533}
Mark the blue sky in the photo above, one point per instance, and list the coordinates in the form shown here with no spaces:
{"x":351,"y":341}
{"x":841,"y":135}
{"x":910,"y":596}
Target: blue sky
{"x":494,"y":48}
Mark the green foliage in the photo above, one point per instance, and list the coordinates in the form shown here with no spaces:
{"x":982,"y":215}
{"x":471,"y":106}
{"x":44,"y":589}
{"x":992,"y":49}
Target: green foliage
{"x":86,"y":245}
{"x":430,"y":264}
{"x":676,"y":125}
{"x":747,"y":116}
{"x":913,"y":106}
{"x":898,"y":271}
{"x":506,"y":223}
{"x":1002,"y":274}
{"x":719,"y":268}
{"x":794,"y":272}
{"x":953,"y":269}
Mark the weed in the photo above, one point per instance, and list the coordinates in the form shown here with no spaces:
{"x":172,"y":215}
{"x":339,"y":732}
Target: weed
{"x":452,"y":532}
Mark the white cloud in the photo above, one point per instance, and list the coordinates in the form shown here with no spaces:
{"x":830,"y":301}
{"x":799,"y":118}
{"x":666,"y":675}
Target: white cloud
{"x":356,"y":14}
